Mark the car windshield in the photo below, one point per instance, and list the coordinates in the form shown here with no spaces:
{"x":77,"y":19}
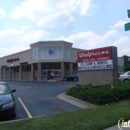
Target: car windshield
{"x":127,"y":73}
{"x":120,"y":73}
{"x":4,"y":89}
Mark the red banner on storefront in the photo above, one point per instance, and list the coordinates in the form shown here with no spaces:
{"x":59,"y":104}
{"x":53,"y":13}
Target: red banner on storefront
{"x":95,"y":55}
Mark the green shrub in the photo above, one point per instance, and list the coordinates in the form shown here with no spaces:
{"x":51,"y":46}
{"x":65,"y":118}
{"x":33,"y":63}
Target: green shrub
{"x":101,"y":94}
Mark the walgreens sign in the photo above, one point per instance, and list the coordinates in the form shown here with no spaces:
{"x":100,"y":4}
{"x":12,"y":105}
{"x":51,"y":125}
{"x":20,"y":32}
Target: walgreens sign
{"x":95,"y":59}
{"x":95,"y":55}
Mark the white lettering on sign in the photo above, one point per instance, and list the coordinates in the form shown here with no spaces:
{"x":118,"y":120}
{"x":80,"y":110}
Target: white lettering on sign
{"x":89,"y":54}
{"x":95,"y":65}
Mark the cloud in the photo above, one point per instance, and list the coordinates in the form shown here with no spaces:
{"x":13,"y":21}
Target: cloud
{"x":122,"y":41}
{"x":2,"y":13}
{"x":123,"y":45}
{"x":43,"y":12}
{"x":109,"y":34}
{"x":86,"y":7}
{"x":120,"y":23}
{"x":61,"y":18}
{"x":11,"y":50}
{"x":24,"y":27}
{"x":10,"y":37}
{"x":90,"y":40}
{"x":84,"y":40}
{"x":125,"y":51}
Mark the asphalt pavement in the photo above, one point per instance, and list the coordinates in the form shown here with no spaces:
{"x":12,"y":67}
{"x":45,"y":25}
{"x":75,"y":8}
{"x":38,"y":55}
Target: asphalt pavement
{"x":37,"y":98}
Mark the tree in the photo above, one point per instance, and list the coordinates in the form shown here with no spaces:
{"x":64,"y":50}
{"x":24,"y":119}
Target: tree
{"x":126,"y":63}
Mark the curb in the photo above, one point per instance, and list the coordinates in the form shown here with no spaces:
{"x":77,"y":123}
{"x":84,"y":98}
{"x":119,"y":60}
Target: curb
{"x":35,"y":80}
{"x":52,"y":80}
{"x":114,"y":128}
{"x":75,"y":101}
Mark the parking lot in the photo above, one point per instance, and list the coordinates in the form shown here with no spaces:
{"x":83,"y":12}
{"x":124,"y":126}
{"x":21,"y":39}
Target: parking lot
{"x":37,"y":98}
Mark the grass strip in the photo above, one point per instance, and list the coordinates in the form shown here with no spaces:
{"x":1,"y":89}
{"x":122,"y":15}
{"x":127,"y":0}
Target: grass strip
{"x":97,"y":118}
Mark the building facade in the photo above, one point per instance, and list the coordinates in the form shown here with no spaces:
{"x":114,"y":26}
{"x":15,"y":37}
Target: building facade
{"x":40,"y":60}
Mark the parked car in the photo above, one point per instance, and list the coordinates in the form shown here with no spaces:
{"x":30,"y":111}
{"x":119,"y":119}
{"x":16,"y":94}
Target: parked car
{"x":125,"y":76}
{"x":7,"y":101}
{"x":71,"y":77}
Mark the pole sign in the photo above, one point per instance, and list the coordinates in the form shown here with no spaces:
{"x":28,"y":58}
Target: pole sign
{"x":96,"y":59}
{"x":127,"y":26}
{"x":128,"y":11}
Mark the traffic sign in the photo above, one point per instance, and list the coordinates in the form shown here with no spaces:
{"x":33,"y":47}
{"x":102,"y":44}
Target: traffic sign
{"x":128,"y":11}
{"x":127,"y":26}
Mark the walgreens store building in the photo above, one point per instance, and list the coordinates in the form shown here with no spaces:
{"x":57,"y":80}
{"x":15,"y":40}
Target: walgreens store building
{"x":41,"y":59}
{"x":37,"y":62}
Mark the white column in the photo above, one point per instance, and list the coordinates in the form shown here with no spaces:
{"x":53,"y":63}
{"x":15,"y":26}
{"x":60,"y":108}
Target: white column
{"x":20,"y":72}
{"x":9,"y":73}
{"x":1,"y":73}
{"x":71,"y":69}
{"x":62,"y":70}
{"x":32,"y":71}
{"x":39,"y":71}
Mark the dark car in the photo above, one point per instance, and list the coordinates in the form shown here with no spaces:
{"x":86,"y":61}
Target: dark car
{"x":71,"y":77}
{"x":7,"y":101}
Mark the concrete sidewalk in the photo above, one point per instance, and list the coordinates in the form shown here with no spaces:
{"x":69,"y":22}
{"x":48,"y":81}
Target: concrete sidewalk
{"x":116,"y":128}
{"x":113,"y":128}
{"x":75,"y":101}
{"x":52,"y":80}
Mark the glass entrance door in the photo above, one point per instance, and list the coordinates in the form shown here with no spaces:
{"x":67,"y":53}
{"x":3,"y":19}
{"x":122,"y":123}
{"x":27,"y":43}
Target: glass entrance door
{"x":48,"y":68}
{"x":44,"y":74}
{"x":57,"y":73}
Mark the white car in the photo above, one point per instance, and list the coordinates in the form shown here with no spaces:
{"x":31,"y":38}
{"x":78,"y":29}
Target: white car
{"x":125,"y":76}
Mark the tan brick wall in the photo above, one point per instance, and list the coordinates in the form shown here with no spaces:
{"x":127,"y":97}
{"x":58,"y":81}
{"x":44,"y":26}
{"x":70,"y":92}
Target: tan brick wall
{"x":98,"y":77}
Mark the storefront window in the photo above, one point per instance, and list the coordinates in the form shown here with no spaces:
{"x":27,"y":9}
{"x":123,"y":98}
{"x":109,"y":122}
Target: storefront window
{"x":67,"y":66}
{"x":47,"y":53}
{"x":51,"y":52}
{"x":15,"y":69}
{"x":74,"y":66}
{"x":35,"y":52}
{"x":66,"y":52}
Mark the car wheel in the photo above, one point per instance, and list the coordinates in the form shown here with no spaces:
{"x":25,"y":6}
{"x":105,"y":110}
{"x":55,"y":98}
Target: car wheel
{"x":126,"y":80}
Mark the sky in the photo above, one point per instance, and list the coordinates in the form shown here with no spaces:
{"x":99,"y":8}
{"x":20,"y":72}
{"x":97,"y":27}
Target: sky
{"x":88,"y":24}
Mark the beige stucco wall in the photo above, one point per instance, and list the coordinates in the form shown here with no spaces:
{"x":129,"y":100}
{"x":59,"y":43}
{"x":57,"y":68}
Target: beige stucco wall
{"x":24,"y":56}
{"x":52,"y":43}
{"x":6,"y":73}
{"x":74,"y":54}
{"x":15,"y":75}
{"x":26,"y":75}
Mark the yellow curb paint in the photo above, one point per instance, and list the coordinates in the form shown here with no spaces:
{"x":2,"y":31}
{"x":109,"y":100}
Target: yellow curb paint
{"x":25,"y":108}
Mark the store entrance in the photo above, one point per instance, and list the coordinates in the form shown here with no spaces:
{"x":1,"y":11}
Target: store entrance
{"x":47,"y":68}
{"x":47,"y":74}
